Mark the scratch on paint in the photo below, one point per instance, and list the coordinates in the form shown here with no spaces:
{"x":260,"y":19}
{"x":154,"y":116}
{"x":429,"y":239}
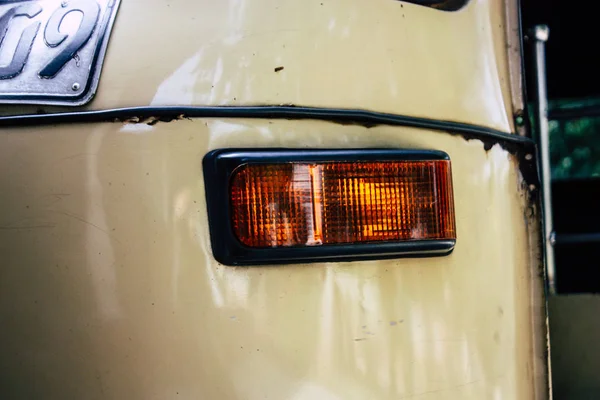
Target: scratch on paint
{"x":78,"y":218}
{"x":414,"y":395}
{"x":15,"y":228}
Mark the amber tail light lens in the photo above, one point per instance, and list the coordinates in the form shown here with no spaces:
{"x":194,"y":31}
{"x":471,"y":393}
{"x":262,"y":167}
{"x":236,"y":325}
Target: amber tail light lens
{"x":268,"y":206}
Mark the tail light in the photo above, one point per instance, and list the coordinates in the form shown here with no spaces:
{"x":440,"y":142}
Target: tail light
{"x":281,"y":206}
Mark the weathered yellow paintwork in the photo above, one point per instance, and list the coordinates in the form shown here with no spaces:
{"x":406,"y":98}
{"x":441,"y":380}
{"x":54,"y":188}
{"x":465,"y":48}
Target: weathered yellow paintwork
{"x":111,"y":289}
{"x":381,"y":55}
{"x":108,"y":287}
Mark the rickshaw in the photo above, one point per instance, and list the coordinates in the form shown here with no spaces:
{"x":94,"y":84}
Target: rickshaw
{"x":252,"y":199}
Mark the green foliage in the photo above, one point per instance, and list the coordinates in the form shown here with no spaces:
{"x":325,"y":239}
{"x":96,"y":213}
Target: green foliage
{"x":575,"y":144}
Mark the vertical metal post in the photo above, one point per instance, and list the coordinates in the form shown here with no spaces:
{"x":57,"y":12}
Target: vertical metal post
{"x":540,"y":34}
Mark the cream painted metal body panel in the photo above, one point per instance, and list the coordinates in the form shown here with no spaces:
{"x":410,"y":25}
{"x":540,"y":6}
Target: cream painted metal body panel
{"x":381,"y":55}
{"x":108,"y":288}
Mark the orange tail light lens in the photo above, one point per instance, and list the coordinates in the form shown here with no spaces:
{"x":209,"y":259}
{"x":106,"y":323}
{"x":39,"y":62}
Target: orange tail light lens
{"x":297,"y":204}
{"x":317,"y":205}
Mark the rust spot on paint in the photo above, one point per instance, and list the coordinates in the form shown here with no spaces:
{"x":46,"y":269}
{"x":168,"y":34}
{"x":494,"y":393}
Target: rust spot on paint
{"x":156,"y":120}
{"x":151,"y":120}
{"x":132,"y":120}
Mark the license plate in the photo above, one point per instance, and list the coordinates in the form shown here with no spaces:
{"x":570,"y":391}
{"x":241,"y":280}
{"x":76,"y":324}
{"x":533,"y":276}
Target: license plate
{"x":51,"y":51}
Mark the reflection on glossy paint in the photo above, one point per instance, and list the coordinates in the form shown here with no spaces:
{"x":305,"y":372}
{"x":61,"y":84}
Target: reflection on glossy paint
{"x":101,"y":260}
{"x":500,"y":161}
{"x":339,"y":54}
{"x":313,"y":391}
{"x":220,"y":131}
{"x":181,"y":206}
{"x":431,"y":328}
{"x":489,"y":89}
{"x":176,"y":89}
{"x":326,"y":308}
{"x":229,"y":287}
{"x":181,"y":209}
{"x":136,"y":128}
{"x":496,"y":165}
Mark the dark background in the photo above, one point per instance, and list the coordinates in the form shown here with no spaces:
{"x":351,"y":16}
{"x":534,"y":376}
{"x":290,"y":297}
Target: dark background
{"x":573,"y":68}
{"x":573,"y":62}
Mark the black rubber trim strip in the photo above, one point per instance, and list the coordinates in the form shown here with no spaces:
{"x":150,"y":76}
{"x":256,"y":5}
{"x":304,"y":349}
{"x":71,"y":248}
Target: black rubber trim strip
{"x":344,"y":116}
{"x":442,"y":5}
